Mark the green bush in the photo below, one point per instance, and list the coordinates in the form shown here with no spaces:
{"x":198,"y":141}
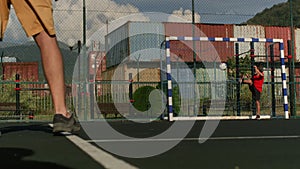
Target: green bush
{"x":141,"y":98}
{"x":142,"y":103}
{"x":28,"y":100}
{"x":176,"y":97}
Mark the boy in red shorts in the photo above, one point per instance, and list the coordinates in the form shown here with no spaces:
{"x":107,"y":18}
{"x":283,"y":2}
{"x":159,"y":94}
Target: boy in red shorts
{"x":36,"y":18}
{"x":256,"y":86}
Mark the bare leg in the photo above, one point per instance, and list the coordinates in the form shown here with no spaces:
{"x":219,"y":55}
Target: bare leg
{"x":53,"y":69}
{"x":248,"y":81}
{"x":257,"y":108}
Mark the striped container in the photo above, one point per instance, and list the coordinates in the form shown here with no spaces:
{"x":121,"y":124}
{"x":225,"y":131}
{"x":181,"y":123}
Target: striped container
{"x":297,"y":44}
{"x":183,"y":49}
{"x":225,"y":50}
{"x":251,"y":31}
{"x":279,"y":33}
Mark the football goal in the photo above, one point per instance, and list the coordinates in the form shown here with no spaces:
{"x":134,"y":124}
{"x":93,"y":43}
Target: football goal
{"x":217,"y":82}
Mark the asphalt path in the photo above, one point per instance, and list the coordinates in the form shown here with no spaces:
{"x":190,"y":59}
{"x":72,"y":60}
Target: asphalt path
{"x":33,"y":146}
{"x":235,"y":144}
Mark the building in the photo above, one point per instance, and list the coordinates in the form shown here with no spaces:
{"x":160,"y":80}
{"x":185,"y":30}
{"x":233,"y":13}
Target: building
{"x":28,"y":71}
{"x":144,"y":42}
{"x":137,"y":47}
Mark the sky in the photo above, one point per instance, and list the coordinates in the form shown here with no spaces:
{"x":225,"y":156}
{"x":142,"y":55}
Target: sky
{"x":202,"y":5}
{"x":68,"y":14}
{"x":206,"y":7}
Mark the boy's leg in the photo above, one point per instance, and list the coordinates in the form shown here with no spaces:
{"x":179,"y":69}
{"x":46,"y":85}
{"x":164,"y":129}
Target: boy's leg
{"x":53,"y":69}
{"x":257,"y":102}
{"x":257,"y":108}
{"x":256,"y":95}
{"x":37,"y":21}
{"x":52,"y":62}
{"x":247,"y":81}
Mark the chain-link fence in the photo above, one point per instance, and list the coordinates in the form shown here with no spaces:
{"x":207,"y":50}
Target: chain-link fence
{"x":99,"y":38}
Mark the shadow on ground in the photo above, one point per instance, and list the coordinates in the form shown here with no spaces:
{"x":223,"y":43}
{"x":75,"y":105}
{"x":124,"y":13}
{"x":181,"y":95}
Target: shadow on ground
{"x":14,"y":158}
{"x":22,"y":127}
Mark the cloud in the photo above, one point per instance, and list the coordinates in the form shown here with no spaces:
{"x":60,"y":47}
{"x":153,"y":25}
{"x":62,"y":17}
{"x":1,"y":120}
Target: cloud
{"x":186,"y":15}
{"x":68,"y":18}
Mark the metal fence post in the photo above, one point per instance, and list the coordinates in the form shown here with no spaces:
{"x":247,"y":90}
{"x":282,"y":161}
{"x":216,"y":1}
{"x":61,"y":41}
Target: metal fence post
{"x":291,"y":79}
{"x":238,"y":85}
{"x":252,"y":73}
{"x":273,"y":80}
{"x":17,"y":89}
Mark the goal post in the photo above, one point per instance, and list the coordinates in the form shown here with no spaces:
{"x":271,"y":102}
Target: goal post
{"x":220,"y":39}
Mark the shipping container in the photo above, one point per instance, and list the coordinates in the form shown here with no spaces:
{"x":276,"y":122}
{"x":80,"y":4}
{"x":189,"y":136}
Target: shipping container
{"x":145,"y":41}
{"x":205,"y":51}
{"x":225,"y":50}
{"x":28,"y":71}
{"x":277,"y":32}
{"x":116,"y":45}
{"x":251,"y":31}
{"x":97,"y":64}
{"x":183,"y":51}
{"x":138,"y":41}
{"x":182,"y":29}
{"x":297,"y":44}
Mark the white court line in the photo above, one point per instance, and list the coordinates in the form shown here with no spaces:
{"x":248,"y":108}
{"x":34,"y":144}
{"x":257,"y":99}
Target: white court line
{"x":220,"y":118}
{"x":108,"y":161}
{"x":192,"y":139}
{"x":103,"y":158}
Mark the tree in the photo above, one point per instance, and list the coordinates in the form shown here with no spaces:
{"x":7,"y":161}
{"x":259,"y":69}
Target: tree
{"x":277,"y":15}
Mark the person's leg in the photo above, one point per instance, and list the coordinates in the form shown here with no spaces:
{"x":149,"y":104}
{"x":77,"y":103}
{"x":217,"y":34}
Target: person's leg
{"x":257,"y":108}
{"x":63,"y":121}
{"x":255,"y":96}
{"x":257,"y":103}
{"x":247,"y":81}
{"x":53,"y":70}
{"x":36,"y":18}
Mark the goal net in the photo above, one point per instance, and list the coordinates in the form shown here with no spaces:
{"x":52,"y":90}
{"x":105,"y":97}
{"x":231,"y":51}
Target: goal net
{"x":189,"y":98}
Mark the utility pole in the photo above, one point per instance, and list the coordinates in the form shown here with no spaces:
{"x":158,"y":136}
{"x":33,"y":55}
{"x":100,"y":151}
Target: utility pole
{"x":194,"y":57}
{"x":85,"y":62}
{"x":292,"y":72}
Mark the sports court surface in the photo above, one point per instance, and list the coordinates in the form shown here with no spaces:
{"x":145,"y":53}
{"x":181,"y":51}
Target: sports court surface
{"x":236,"y":144}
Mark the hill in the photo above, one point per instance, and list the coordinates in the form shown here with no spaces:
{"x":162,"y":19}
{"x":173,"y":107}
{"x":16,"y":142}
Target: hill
{"x":29,"y":52}
{"x":278,"y":15}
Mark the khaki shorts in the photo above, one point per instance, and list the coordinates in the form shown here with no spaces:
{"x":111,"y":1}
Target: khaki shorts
{"x":35,"y":16}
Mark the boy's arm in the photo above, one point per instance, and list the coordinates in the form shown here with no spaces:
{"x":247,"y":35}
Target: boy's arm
{"x":258,"y":72}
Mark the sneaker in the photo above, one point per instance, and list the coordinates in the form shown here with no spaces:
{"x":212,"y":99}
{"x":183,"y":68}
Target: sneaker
{"x":64,"y":124}
{"x":257,"y":117}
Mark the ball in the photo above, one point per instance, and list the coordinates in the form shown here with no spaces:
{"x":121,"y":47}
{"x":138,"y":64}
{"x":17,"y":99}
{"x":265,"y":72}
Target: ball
{"x":223,"y":66}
